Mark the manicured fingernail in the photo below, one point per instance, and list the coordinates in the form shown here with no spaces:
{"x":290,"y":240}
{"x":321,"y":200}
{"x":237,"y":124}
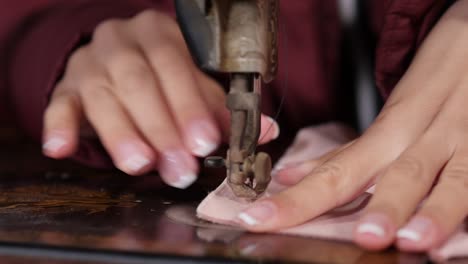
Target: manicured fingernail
{"x":203,"y":138}
{"x":279,"y":167}
{"x":270,"y":129}
{"x":258,"y":213}
{"x":416,"y":229}
{"x":285,"y":166}
{"x":371,"y":228}
{"x":54,"y":144}
{"x":373,"y":224}
{"x":178,"y":168}
{"x":248,"y":219}
{"x":135,"y":163}
{"x":185,"y":181}
{"x":249,"y":249}
{"x":274,"y":127}
{"x":133,"y":156}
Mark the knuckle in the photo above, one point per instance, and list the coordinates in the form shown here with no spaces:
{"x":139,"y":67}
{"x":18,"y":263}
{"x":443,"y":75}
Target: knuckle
{"x":152,"y":17}
{"x":305,"y":134}
{"x":457,"y":173}
{"x":61,"y":88}
{"x":107,"y":30}
{"x":434,"y":211}
{"x":164,"y":133}
{"x":388,"y":207}
{"x":148,"y":15}
{"x":92,"y":89}
{"x":163,"y":53}
{"x":168,"y":43}
{"x":332,"y":175}
{"x":91,"y":81}
{"x":78,"y":57}
{"x":136,"y":77}
{"x":411,"y":167}
{"x":168,"y":58}
{"x":122,"y":60}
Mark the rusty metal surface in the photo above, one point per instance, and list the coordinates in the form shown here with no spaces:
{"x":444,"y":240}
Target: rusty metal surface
{"x":247,"y":174}
{"x":58,"y":210}
{"x":233,"y":36}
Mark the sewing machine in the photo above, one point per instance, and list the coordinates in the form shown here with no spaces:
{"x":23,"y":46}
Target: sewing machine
{"x":237,"y":37}
{"x":63,"y":213}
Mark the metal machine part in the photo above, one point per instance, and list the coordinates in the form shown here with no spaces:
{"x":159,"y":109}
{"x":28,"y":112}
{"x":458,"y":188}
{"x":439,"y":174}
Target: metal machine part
{"x":248,"y":173}
{"x":237,"y":37}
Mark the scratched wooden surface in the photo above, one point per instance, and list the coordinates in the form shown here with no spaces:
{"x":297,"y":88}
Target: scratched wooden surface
{"x":59,"y":212}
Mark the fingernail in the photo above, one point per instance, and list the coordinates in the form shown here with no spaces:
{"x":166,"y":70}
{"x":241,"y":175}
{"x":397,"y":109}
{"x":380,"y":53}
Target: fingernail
{"x":135,"y":163}
{"x":275,"y":127}
{"x":54,"y":144}
{"x":373,"y":224}
{"x":178,"y":168}
{"x":371,"y":228}
{"x":416,"y":229}
{"x":185,"y":181}
{"x":203,"y":138}
{"x":278,"y":167}
{"x":133,"y":156}
{"x":269,"y":127}
{"x":284,"y":166}
{"x":259,"y":213}
{"x":249,"y":249}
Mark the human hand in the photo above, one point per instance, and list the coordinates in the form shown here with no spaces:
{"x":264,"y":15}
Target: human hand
{"x":135,"y":84}
{"x":416,"y":148}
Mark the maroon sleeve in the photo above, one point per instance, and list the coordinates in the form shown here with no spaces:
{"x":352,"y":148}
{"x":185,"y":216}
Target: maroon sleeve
{"x":40,"y":52}
{"x":401,"y":27}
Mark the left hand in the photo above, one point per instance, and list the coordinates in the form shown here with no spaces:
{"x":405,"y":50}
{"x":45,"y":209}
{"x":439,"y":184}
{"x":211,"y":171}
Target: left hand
{"x":417,"y":147}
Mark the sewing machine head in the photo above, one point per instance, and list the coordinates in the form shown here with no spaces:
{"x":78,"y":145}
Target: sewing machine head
{"x":237,"y":37}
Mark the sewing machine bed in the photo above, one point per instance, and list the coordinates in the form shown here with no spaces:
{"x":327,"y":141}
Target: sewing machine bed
{"x":59,"y":212}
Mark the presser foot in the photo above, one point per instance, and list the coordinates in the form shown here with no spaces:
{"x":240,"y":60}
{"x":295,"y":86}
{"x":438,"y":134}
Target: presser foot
{"x":248,"y":179}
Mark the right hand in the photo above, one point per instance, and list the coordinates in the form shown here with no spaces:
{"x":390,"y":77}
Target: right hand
{"x":136,"y":85}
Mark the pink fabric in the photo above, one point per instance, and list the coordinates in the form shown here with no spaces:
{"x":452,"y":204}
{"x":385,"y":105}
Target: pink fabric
{"x":221,"y":206}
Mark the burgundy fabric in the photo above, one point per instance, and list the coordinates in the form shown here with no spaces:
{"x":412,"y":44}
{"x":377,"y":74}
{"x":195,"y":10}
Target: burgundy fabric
{"x":401,"y":27}
{"x":37,"y":36}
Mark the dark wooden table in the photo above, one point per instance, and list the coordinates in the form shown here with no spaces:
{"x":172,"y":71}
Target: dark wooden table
{"x":59,"y":212}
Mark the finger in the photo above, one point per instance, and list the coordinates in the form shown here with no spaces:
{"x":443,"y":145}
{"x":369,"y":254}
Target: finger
{"x":443,"y":212}
{"x":327,"y":186}
{"x":290,"y":174}
{"x":447,"y":196}
{"x":90,"y":82}
{"x":128,"y":150}
{"x":399,"y":191}
{"x":176,"y":73}
{"x":139,"y":92}
{"x":61,"y":124}
{"x":138,"y":89}
{"x":116,"y":132}
{"x":339,"y":179}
